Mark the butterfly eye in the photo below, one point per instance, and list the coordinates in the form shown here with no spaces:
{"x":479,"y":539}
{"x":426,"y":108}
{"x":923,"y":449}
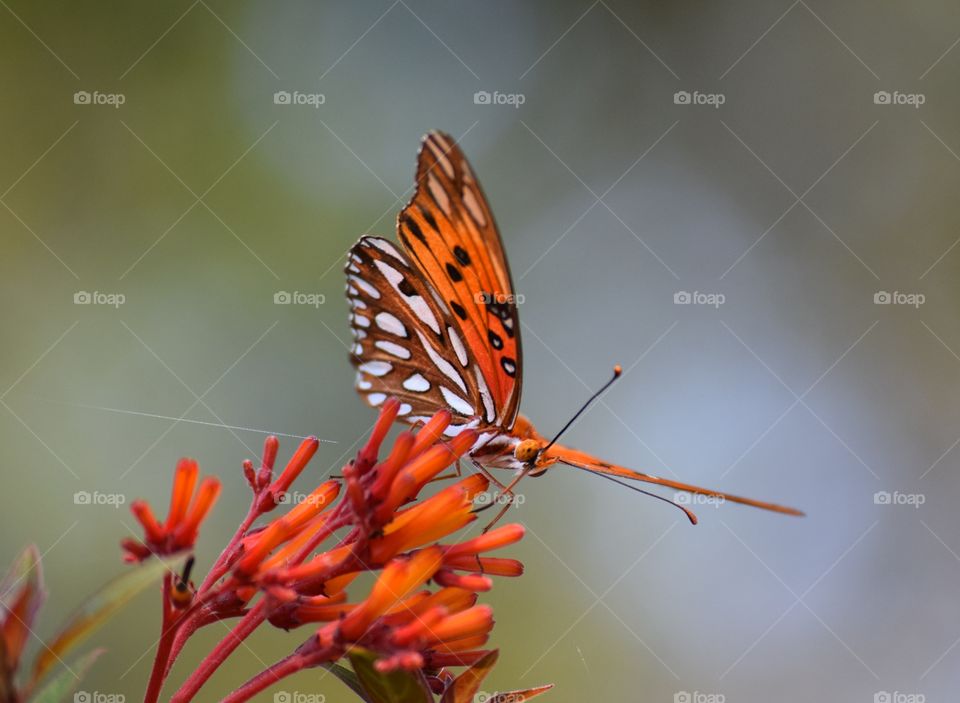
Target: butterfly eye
{"x":527,"y":450}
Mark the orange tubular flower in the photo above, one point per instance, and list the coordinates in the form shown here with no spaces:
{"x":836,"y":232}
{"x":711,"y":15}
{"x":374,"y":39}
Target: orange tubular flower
{"x":379,"y":523}
{"x":179,"y":531}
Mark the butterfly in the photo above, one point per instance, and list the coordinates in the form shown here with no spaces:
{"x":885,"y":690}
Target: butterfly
{"x":436,"y":326}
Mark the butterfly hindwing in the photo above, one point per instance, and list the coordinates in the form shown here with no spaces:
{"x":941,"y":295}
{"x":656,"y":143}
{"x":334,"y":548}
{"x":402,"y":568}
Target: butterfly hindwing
{"x":405,"y":343}
{"x":449,"y":233}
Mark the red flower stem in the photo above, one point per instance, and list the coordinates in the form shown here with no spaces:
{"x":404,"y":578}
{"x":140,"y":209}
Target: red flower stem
{"x":220,"y":566}
{"x":189,"y":625}
{"x":247,"y":624}
{"x":169,"y":626}
{"x":290,"y":664}
{"x":191,"y":621}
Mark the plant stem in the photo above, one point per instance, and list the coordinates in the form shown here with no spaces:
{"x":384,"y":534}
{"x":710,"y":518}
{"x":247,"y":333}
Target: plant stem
{"x":247,"y":624}
{"x":290,"y":664}
{"x":169,"y":623}
{"x":219,"y":567}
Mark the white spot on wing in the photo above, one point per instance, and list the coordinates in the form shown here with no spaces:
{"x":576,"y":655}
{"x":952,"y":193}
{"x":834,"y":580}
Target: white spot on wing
{"x":392,"y":348}
{"x":405,"y":408}
{"x":454,"y":430}
{"x":416,"y":383}
{"x":376,"y":398}
{"x":458,"y":346}
{"x":441,"y":157}
{"x":376,"y":368}
{"x":390,"y":323}
{"x":365,"y":287}
{"x":416,"y":302}
{"x":456,"y":402}
{"x":445,"y":367}
{"x":386,"y":247}
{"x":360,"y":320}
{"x":439,"y":194}
{"x":488,"y":407}
{"x":473,"y":207}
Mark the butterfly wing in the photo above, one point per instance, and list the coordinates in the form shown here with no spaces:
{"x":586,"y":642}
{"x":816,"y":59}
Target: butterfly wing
{"x":588,"y":462}
{"x":405,"y":342}
{"x":449,"y":233}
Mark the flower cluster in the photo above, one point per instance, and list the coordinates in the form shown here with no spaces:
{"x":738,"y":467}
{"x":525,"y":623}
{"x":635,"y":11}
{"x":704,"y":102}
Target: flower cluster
{"x":179,"y":531}
{"x":421,"y":614}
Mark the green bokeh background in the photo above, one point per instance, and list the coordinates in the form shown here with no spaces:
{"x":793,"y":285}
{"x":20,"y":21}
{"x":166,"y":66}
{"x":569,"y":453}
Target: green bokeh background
{"x":798,"y":199}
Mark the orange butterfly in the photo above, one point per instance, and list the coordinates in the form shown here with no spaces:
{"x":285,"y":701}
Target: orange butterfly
{"x":436,"y":326}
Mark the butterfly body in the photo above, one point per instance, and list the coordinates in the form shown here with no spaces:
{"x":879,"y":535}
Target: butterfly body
{"x":436,"y":324}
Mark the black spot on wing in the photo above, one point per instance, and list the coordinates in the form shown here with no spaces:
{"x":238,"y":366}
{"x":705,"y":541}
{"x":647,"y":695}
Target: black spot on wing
{"x":454,"y":273}
{"x":458,"y":309}
{"x":406,"y":288}
{"x":428,"y":216}
{"x":495,"y":340}
{"x":414,"y":229}
{"x":462,"y":256}
{"x":509,"y":366}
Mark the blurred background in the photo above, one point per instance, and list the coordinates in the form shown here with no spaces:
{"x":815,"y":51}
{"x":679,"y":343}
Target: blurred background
{"x":751,"y":207}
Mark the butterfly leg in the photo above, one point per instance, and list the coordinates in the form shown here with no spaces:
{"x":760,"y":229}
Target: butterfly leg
{"x":483,"y":470}
{"x":510,"y":495}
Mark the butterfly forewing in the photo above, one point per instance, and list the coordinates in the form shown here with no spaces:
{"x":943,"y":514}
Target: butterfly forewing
{"x":450,"y":234}
{"x":405,"y":342}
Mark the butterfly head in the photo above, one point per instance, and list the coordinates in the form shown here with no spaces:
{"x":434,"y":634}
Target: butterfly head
{"x":530,"y":453}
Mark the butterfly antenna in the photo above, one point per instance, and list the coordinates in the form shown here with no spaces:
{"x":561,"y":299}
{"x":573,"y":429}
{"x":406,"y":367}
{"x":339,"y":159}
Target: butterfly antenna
{"x":617,"y":371}
{"x":691,"y":516}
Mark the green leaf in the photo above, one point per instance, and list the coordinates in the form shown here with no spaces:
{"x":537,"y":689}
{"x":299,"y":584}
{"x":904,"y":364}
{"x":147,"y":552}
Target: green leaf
{"x":466,"y":685}
{"x":62,"y":686}
{"x":396,"y":687}
{"x":347,"y":677}
{"x":101,"y":606}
